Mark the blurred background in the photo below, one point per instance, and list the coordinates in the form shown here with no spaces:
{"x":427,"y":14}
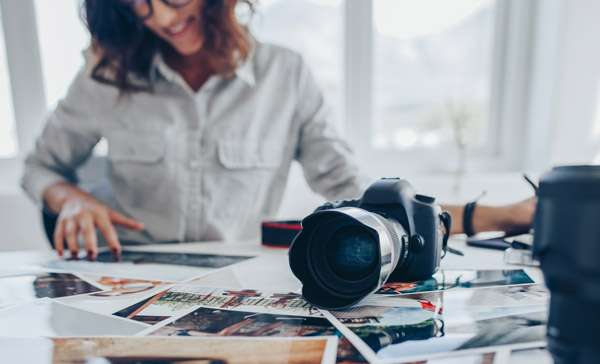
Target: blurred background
{"x":456,"y":96}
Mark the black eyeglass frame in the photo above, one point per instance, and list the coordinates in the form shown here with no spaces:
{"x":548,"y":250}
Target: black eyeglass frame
{"x":130,"y":6}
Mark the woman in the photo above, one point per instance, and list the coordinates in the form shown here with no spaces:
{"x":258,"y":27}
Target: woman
{"x":202,"y":123}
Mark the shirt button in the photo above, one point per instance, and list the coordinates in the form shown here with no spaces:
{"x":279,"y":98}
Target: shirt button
{"x":194,"y":164}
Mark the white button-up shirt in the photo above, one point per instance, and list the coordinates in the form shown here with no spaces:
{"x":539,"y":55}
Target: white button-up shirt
{"x":205,"y":165}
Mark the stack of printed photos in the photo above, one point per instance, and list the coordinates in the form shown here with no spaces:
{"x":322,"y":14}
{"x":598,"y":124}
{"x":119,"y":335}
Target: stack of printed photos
{"x":167,"y":308}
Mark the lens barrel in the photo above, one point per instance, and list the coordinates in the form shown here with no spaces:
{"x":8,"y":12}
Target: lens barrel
{"x":567,"y":243}
{"x":341,"y":255}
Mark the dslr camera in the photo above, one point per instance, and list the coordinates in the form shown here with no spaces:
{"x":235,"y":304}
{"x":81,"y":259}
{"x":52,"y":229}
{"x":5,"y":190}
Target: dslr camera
{"x":348,"y":249}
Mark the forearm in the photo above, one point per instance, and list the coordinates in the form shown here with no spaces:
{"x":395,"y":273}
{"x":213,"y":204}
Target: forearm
{"x":512,"y":219}
{"x":456,"y":211}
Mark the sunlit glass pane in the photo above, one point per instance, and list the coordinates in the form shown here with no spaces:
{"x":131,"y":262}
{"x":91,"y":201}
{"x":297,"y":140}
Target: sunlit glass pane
{"x":8,"y":135}
{"x":432,"y":72}
{"x":62,"y":39}
{"x":314,"y":28}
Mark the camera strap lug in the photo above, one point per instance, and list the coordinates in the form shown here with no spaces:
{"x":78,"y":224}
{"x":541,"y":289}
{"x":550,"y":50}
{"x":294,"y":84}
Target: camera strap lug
{"x":447,"y":222}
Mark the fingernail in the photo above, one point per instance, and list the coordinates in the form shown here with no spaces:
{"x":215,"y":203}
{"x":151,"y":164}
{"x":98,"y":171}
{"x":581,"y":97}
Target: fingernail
{"x":91,"y":255}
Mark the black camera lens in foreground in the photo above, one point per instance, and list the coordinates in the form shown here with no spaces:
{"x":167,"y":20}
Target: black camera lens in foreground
{"x":342,"y":255}
{"x":567,"y":244}
{"x":352,"y":253}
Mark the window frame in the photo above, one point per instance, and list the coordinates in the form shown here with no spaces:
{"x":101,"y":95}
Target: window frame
{"x":26,"y":83}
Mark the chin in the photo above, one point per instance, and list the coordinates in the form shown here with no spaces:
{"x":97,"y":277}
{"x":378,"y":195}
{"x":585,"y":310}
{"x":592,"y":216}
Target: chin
{"x":189,"y":49}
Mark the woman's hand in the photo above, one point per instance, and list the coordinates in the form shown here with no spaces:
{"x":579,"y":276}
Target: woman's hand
{"x":79,"y":212}
{"x":514,"y":219}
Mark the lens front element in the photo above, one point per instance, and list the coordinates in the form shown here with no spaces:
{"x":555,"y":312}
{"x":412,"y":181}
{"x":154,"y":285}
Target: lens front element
{"x":352,"y":253}
{"x":341,"y":255}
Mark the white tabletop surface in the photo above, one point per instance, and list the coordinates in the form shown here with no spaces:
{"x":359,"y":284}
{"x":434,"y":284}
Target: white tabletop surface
{"x":270,"y":270}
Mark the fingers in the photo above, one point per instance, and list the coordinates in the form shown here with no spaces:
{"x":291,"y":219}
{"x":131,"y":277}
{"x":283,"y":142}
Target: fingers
{"x":71,"y":238}
{"x":84,"y":221}
{"x":68,"y":230}
{"x":58,"y":237}
{"x":88,"y":233}
{"x":110,"y":235}
{"x":122,"y":220}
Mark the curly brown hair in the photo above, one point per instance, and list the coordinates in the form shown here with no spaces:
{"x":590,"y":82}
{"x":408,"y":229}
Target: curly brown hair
{"x":124,"y":46}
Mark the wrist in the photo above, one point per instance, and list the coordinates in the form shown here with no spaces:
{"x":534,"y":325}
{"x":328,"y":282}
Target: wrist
{"x":57,"y":195}
{"x":489,"y":218}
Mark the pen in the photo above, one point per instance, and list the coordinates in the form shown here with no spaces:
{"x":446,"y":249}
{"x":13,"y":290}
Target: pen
{"x":535,"y":187}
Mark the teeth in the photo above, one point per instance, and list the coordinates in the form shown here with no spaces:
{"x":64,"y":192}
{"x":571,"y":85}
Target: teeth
{"x":177,"y":28}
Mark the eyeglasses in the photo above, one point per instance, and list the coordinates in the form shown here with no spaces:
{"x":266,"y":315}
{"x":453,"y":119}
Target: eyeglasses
{"x":143,"y":8}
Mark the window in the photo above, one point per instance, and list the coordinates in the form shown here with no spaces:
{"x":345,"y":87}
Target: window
{"x":408,"y":94}
{"x":431,"y":73}
{"x":8,"y":134}
{"x":313,"y":28}
{"x":62,"y":37}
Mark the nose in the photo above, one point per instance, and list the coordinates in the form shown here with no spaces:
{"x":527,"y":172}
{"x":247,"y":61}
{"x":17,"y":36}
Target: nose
{"x":163,"y":13}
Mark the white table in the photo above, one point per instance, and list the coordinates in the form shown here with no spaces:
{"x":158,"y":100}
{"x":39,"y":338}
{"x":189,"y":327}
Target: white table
{"x":270,"y":271}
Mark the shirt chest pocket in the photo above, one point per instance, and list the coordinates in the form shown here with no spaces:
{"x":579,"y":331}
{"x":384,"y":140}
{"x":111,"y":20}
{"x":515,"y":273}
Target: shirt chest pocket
{"x":236,"y":155}
{"x":138,"y":167}
{"x":131,"y":148}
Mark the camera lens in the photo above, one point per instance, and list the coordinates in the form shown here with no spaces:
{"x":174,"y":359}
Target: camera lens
{"x":566,"y":243}
{"x":341,"y":255}
{"x":352,"y":253}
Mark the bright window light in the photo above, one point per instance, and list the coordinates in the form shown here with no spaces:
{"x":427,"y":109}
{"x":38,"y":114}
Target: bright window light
{"x":314,"y":28}
{"x":62,"y":38}
{"x":432,"y":72}
{"x":8,"y":135}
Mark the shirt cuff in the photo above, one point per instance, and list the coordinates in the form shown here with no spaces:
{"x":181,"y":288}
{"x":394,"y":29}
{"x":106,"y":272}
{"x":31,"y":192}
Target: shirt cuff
{"x":35,"y":182}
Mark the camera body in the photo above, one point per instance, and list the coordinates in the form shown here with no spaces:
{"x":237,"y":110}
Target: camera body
{"x":395,"y":198}
{"x":348,"y":249}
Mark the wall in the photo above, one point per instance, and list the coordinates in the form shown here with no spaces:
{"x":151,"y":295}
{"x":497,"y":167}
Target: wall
{"x":20,"y":223}
{"x":576,"y":134}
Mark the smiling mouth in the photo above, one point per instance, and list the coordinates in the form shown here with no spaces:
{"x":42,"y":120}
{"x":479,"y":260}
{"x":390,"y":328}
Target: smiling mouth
{"x":179,"y":28}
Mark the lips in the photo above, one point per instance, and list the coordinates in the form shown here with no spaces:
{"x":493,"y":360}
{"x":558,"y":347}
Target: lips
{"x":179,"y":28}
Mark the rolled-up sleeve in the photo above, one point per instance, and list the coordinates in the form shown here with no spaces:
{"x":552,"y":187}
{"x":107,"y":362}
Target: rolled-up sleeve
{"x":327,"y":160}
{"x":68,"y":138}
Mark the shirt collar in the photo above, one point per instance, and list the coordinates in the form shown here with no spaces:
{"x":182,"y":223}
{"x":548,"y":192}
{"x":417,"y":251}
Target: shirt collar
{"x":245,"y":71}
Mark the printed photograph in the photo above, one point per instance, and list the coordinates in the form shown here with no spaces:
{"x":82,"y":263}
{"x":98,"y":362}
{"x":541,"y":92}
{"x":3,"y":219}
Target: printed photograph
{"x":449,"y":279}
{"x":182,"y":298}
{"x":206,"y":321}
{"x":419,"y":325}
{"x":486,"y":358}
{"x":188,"y":259}
{"x":139,"y":350}
{"x":26,"y":288}
{"x":209,"y":322}
{"x":482,"y":298}
{"x":122,"y":286}
{"x":148,"y":272}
